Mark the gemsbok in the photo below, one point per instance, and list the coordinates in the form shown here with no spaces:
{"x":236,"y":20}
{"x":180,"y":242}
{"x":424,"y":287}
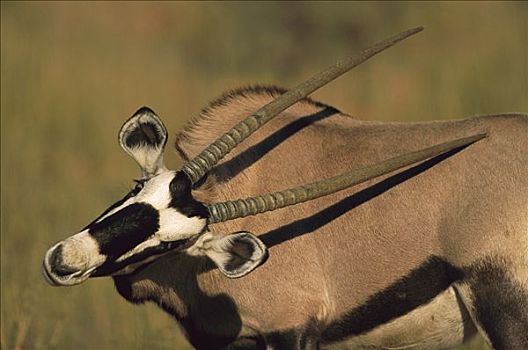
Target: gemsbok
{"x":396,"y":235}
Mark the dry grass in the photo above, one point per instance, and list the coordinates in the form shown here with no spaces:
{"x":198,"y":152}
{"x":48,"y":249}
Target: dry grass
{"x":72,"y":72}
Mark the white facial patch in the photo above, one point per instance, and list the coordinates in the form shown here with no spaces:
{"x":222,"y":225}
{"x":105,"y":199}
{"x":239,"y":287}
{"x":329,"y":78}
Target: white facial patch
{"x":156,"y":193}
{"x":175,"y":226}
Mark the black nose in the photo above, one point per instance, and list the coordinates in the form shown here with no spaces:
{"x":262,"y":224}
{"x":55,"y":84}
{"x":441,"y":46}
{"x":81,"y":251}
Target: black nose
{"x":57,"y":265}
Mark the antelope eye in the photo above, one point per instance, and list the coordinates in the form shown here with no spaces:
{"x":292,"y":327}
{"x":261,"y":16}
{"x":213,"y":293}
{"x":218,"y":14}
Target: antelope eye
{"x":138,"y":187}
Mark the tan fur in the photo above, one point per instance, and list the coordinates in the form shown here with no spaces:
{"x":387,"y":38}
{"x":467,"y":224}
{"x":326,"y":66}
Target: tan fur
{"x":471,"y":205}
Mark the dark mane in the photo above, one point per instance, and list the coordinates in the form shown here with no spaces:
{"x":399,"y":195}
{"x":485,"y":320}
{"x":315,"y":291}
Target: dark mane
{"x":252,"y":90}
{"x":228,"y":109}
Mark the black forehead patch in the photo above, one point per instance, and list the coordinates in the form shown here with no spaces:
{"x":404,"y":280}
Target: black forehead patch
{"x":122,"y":231}
{"x":145,"y":134}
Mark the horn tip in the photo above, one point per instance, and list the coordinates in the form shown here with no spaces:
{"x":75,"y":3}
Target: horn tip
{"x":414,"y":30}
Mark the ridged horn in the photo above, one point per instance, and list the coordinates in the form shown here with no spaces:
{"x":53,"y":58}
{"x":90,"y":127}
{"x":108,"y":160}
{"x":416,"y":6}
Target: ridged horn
{"x":197,"y":167}
{"x":219,"y":212}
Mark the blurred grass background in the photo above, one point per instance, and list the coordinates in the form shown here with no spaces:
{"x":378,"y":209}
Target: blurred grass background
{"x":71,"y":73}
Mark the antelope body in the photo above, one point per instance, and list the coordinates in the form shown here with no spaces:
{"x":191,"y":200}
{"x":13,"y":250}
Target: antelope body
{"x":419,"y":258}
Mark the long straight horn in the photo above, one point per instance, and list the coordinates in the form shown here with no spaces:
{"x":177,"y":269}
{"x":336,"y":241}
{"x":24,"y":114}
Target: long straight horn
{"x":219,"y":212}
{"x":199,"y":166}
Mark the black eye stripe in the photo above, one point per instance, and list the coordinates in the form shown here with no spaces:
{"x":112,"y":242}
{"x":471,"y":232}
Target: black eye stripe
{"x":124,"y":230}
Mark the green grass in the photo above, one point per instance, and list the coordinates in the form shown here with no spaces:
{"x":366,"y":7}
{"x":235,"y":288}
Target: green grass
{"x":71,"y":73}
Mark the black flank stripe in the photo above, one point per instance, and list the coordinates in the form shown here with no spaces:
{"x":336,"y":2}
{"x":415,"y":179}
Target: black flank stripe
{"x":501,"y":304}
{"x":417,"y":288}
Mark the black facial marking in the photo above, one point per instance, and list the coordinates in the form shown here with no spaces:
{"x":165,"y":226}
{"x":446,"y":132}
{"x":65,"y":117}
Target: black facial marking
{"x":501,"y":305}
{"x":181,"y":197}
{"x":417,"y":288}
{"x":111,"y":266}
{"x":125,"y":229}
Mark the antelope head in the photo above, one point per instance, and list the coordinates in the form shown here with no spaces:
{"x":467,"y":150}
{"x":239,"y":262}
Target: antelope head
{"x":160,"y":214}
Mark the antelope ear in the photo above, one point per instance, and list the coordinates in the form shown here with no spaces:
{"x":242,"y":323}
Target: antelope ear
{"x":235,"y":254}
{"x":143,"y":137}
